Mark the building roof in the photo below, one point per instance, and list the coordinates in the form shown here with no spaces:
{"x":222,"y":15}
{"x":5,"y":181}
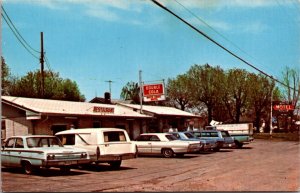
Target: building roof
{"x":47,"y":106}
{"x":160,"y":110}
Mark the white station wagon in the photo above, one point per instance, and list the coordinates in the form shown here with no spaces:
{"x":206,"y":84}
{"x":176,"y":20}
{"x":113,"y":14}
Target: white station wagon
{"x":165,"y":144}
{"x":35,"y":151}
{"x":106,"y":145}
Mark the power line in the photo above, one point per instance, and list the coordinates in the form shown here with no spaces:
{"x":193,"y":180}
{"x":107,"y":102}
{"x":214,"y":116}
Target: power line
{"x":19,"y":38}
{"x":218,"y":44}
{"x":201,"y":20}
{"x":16,"y":30}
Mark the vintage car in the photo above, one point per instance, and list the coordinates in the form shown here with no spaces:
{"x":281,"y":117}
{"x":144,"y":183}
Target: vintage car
{"x":104,"y":145}
{"x":35,"y":151}
{"x":228,"y":139}
{"x":206,"y":144}
{"x":210,"y":134}
{"x":164,"y":144}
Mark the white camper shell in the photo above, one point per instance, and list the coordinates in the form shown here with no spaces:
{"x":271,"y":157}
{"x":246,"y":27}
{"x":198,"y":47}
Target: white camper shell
{"x":104,"y":145}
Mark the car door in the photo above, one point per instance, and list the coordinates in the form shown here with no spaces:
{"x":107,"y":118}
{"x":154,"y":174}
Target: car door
{"x":17,"y":152}
{"x":7,"y":151}
{"x":144,"y":144}
{"x":156,"y":144}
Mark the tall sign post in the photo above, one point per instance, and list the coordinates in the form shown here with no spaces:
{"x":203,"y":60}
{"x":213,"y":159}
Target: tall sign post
{"x":141,"y":94}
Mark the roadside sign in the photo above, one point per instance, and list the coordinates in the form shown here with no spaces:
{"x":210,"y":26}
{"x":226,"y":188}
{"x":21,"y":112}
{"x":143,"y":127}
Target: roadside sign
{"x":153,"y":92}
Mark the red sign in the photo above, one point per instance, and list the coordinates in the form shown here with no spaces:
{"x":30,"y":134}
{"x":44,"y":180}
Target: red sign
{"x":103,"y":110}
{"x":153,"y":89}
{"x":283,"y":107}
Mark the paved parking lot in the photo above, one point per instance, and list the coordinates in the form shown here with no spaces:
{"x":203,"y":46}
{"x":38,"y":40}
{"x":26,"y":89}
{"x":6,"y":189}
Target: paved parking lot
{"x":263,"y":165}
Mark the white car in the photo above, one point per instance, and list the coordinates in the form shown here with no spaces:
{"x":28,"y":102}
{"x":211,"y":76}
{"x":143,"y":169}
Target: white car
{"x":35,"y":151}
{"x":106,"y":145}
{"x":165,"y":144}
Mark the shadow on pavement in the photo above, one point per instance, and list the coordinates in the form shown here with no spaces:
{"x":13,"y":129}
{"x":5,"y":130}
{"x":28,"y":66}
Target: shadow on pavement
{"x":102,"y":168}
{"x":43,"y":172}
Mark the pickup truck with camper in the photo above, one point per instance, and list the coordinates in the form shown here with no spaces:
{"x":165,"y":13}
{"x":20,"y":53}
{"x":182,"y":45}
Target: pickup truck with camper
{"x":104,"y":145}
{"x":241,"y":132}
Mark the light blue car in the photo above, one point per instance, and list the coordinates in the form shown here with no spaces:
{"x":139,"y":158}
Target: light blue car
{"x":206,"y":144}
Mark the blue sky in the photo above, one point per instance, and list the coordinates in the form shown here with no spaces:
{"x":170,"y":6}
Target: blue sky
{"x":93,"y":41}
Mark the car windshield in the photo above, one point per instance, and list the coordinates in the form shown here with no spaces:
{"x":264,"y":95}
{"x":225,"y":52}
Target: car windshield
{"x":171,"y":137}
{"x":189,"y":135}
{"x":43,"y":142}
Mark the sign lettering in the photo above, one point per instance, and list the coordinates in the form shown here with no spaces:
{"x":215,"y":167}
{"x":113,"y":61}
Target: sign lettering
{"x":103,"y":110}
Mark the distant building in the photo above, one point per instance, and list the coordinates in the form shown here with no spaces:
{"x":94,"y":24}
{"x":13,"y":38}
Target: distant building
{"x":23,"y":116}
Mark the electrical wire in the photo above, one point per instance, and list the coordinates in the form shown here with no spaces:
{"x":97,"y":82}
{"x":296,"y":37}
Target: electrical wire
{"x":16,"y":30}
{"x":19,"y":38}
{"x":221,"y":46}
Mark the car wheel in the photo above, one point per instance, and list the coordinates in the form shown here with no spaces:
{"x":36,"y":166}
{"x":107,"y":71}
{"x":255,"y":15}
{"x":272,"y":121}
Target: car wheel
{"x":238,"y":144}
{"x":167,"y":153}
{"x":28,"y":168}
{"x":115,"y":164}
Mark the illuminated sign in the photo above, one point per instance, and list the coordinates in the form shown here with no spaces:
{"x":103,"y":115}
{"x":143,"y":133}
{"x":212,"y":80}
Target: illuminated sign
{"x":153,"y":92}
{"x":283,"y":107}
{"x":104,"y":110}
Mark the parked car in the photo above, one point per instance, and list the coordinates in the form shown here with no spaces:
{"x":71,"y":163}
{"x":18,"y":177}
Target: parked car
{"x":211,"y":134}
{"x":35,"y":151}
{"x":228,"y":139}
{"x":165,"y":144}
{"x":104,"y":145}
{"x":206,"y":144}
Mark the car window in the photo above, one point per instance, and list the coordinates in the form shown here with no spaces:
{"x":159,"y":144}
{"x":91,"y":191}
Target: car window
{"x":171,"y":137}
{"x":67,"y":139}
{"x":176,"y":135}
{"x":197,"y":134}
{"x":154,"y":138}
{"x":214,"y":134}
{"x":43,"y":142}
{"x":19,"y":143}
{"x":10,"y":143}
{"x":189,"y":135}
{"x":111,"y":136}
{"x":225,"y":134}
{"x":143,"y":138}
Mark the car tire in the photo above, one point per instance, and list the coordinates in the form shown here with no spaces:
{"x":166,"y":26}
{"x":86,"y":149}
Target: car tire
{"x":28,"y":168}
{"x":238,"y":144}
{"x":115,"y":164}
{"x":167,"y":153}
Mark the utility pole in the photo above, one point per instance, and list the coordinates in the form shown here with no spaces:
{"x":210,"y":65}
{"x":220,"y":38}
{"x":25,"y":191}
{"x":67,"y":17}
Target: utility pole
{"x":271,"y":113}
{"x":42,"y":65}
{"x":141,"y":91}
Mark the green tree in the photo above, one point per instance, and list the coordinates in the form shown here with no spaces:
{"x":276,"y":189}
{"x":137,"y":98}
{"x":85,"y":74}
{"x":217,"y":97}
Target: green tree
{"x":238,"y":86}
{"x":179,"y":92}
{"x":55,"y":87}
{"x":5,"y":75}
{"x":131,"y":92}
{"x":260,"y":97}
{"x":204,"y":82}
{"x":291,"y":78}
